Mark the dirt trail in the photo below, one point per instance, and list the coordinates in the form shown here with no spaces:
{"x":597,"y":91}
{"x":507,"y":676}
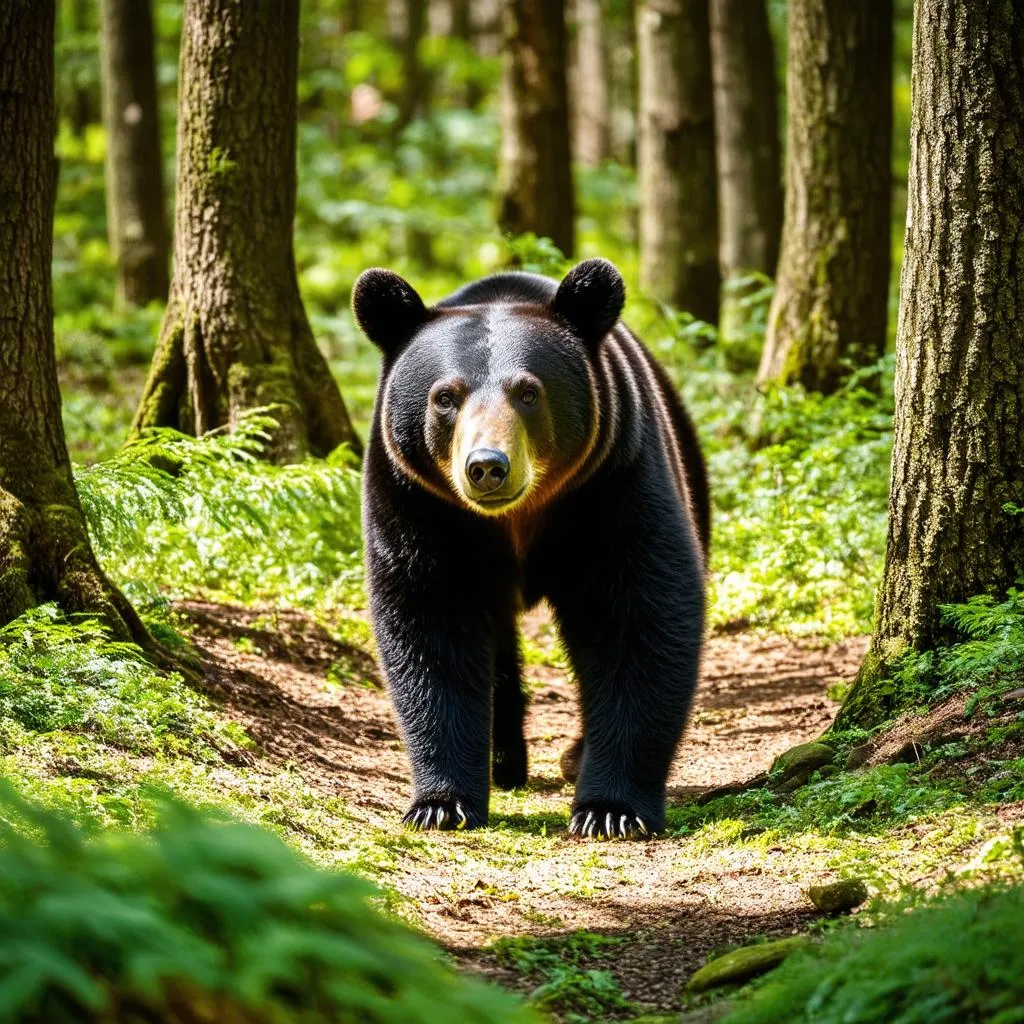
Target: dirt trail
{"x":671,"y":902}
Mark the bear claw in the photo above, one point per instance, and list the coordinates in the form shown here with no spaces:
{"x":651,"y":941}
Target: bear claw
{"x":605,"y":823}
{"x":440,"y":814}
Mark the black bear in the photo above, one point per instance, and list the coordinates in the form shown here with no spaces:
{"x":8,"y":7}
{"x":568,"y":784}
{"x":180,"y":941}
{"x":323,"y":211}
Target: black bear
{"x":525,"y":445}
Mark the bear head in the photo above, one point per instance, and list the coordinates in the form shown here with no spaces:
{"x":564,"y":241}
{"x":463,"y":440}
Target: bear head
{"x":494,"y":404}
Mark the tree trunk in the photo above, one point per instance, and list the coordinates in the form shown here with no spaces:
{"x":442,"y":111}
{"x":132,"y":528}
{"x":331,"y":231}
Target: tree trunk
{"x":235,"y":335}
{"x":591,"y":116}
{"x":620,"y":32}
{"x":676,"y":157}
{"x":461,"y":14}
{"x":747,"y":148}
{"x":536,"y":166}
{"x":45,"y":553}
{"x":958,"y":456}
{"x":84,"y":109}
{"x":414,"y":81}
{"x":136,"y":220}
{"x":829,"y":311}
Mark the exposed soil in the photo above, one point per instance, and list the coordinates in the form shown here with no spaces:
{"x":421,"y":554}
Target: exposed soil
{"x":672,"y":905}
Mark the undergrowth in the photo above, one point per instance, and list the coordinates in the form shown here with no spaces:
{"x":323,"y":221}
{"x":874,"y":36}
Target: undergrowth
{"x":958,"y":960}
{"x":205,"y":920}
{"x":176,"y":516}
{"x":989,"y":660}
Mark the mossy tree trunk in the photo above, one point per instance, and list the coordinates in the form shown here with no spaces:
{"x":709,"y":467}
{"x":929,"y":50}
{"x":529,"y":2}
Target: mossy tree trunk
{"x":536,"y":184}
{"x":235,"y":335}
{"x":958,"y":456}
{"x":136,"y":219}
{"x":830,"y":306}
{"x":591,"y":111}
{"x":747,"y":149}
{"x":45,"y":553}
{"x":676,"y":157}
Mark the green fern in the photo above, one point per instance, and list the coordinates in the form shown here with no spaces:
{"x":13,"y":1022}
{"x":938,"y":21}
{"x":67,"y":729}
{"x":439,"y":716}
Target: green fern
{"x":180,"y":516}
{"x":203,"y":921}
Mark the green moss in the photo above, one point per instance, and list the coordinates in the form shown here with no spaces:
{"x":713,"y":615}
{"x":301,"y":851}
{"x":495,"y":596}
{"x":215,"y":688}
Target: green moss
{"x":219,"y":163}
{"x":741,"y":965}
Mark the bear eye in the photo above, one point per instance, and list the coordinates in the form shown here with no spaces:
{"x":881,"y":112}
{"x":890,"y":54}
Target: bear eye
{"x":445,"y":400}
{"x":529,"y":396}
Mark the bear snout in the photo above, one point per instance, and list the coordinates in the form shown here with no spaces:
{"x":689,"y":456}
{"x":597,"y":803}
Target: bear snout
{"x":487,"y":469}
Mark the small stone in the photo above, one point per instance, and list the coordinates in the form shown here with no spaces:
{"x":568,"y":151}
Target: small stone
{"x":569,"y":762}
{"x":859,"y":755}
{"x":744,"y":964}
{"x":838,"y":897}
{"x":1013,"y":695}
{"x":866,"y":809}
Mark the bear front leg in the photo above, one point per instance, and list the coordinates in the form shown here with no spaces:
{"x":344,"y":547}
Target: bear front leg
{"x":509,"y":757}
{"x":436,"y":650}
{"x":632,"y":622}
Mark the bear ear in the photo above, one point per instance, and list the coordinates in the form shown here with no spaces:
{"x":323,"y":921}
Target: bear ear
{"x":387,"y":308}
{"x":590,"y":299}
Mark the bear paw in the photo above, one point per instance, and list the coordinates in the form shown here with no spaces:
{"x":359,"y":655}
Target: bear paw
{"x":607,"y":821}
{"x":441,"y":814}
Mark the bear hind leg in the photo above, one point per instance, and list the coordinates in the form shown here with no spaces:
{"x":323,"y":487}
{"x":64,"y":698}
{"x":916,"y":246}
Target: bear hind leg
{"x":509,"y":759}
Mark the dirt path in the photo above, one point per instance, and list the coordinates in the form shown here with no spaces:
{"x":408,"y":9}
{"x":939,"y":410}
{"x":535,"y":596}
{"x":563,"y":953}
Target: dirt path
{"x":669,"y":901}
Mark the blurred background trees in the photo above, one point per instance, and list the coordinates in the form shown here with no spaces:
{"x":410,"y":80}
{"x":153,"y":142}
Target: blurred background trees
{"x":537,"y":190}
{"x":136,"y":221}
{"x":747,"y":153}
{"x":676,"y":156}
{"x":832,"y":283}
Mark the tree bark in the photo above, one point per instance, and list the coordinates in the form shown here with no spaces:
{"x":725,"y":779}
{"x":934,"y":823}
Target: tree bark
{"x":958,"y":455}
{"x":620,"y":35}
{"x":45,"y":553}
{"x":830,"y":306}
{"x":412,"y":100}
{"x":536,"y":182}
{"x":136,"y":220}
{"x":591,"y":114}
{"x":676,"y":157}
{"x":84,"y":108}
{"x":235,"y":335}
{"x":747,"y":147}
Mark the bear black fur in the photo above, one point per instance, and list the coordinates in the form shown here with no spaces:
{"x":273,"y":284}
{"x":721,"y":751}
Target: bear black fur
{"x":525,"y":445}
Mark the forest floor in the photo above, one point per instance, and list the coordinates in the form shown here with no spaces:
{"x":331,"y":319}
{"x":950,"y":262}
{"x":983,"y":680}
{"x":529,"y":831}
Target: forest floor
{"x":659,"y":907}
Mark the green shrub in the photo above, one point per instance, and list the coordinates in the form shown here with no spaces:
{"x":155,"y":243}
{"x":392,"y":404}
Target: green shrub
{"x":959,"y":960}
{"x":205,"y":921}
{"x":799,"y":485}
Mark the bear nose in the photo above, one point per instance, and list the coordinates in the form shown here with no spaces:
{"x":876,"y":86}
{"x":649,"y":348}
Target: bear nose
{"x":487,"y":469}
